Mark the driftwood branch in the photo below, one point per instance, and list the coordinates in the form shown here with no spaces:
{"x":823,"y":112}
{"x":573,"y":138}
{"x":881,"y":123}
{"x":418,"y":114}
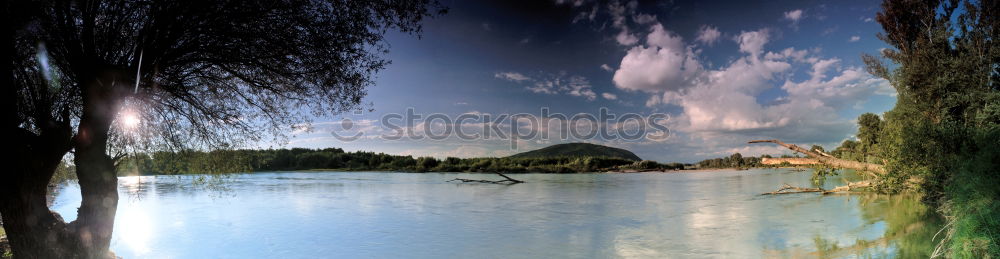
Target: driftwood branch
{"x":826,"y":159}
{"x":507,"y":180}
{"x":823,"y":153}
{"x":786,"y":189}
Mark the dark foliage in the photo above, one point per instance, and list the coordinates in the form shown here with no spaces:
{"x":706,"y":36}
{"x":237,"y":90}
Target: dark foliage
{"x":736,"y":160}
{"x":213,"y":74}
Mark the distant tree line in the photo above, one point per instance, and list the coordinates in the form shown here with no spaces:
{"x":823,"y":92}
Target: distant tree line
{"x":736,"y":160}
{"x":221,"y":161}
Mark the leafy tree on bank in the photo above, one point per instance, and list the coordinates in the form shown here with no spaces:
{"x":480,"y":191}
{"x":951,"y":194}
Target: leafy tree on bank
{"x":213,"y":73}
{"x":943,"y":135}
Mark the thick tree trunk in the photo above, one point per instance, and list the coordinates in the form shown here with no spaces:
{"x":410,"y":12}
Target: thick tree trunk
{"x":98,"y":188}
{"x":827,"y":159}
{"x":95,"y":170}
{"x":33,"y":230}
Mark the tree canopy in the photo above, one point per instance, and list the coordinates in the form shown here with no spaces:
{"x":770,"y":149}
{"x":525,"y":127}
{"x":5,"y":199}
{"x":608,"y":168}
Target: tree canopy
{"x":943,"y":135}
{"x":102,"y":79}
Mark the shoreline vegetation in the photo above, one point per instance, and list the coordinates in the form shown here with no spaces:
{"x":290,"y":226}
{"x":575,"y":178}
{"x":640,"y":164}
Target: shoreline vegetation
{"x":336,"y":159}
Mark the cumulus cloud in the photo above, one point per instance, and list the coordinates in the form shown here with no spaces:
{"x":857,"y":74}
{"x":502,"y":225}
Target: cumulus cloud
{"x":609,"y":96}
{"x":752,"y":42}
{"x":847,"y":89}
{"x":665,"y":63}
{"x":606,"y":67}
{"x":725,"y":102}
{"x":708,"y":35}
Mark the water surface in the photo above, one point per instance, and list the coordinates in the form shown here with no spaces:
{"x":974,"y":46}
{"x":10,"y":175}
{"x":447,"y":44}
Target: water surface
{"x":393,"y":215}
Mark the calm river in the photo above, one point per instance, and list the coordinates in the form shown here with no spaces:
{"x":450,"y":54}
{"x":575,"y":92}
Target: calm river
{"x":410,"y":215}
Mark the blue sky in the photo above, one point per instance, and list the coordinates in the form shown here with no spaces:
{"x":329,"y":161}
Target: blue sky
{"x":725,"y":73}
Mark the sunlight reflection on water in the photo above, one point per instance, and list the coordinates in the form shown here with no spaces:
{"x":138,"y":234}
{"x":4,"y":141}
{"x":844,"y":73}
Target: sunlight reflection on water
{"x":309,"y":215}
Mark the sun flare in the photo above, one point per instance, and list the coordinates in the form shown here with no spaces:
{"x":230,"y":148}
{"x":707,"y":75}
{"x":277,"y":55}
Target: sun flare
{"x":130,"y":119}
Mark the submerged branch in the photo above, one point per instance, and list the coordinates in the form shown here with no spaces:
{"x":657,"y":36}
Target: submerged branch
{"x":786,"y":189}
{"x":507,"y":180}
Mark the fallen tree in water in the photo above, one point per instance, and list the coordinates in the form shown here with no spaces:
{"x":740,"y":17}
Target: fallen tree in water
{"x":789,"y":160}
{"x":507,"y":180}
{"x":821,"y":158}
{"x":828,"y":160}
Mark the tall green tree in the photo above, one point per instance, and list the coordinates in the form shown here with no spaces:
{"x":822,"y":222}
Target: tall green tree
{"x":869,"y":130}
{"x":942,"y":137}
{"x":92,"y":77}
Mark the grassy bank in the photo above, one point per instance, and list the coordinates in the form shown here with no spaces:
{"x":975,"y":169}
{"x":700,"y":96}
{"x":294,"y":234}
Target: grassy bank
{"x":4,"y":246}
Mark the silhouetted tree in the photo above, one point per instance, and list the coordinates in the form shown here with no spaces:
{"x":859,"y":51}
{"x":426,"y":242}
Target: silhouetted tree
{"x":212,"y":73}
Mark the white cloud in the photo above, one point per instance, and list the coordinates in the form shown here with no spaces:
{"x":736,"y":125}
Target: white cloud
{"x":708,"y":35}
{"x":609,"y":96}
{"x":794,"y":15}
{"x":512,"y":76}
{"x":572,"y":85}
{"x":619,"y":13}
{"x":606,"y":67}
{"x":543,"y":87}
{"x":854,"y":39}
{"x":664,"y":64}
{"x":849,"y":88}
{"x":625,"y":38}
{"x":752,"y":42}
{"x":653,"y":101}
{"x":725,"y":102}
{"x":579,"y":86}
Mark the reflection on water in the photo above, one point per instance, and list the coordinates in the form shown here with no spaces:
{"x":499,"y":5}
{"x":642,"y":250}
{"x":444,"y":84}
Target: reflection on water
{"x":309,"y":215}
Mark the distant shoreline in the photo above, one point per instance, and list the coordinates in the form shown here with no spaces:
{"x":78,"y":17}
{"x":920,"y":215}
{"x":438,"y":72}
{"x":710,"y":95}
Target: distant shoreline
{"x":318,"y":170}
{"x":698,"y":170}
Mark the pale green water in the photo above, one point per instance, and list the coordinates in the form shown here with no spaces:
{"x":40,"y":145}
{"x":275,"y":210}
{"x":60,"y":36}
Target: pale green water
{"x":406,"y":215}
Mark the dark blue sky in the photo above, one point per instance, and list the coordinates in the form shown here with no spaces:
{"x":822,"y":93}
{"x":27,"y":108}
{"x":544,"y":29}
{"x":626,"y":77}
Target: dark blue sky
{"x":726,"y":72}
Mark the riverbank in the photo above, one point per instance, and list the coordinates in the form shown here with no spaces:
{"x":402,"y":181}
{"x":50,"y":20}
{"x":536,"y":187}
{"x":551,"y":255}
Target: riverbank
{"x":4,"y":245}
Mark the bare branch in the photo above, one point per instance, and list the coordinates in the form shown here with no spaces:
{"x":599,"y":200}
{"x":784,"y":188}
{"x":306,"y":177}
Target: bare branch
{"x":507,"y":181}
